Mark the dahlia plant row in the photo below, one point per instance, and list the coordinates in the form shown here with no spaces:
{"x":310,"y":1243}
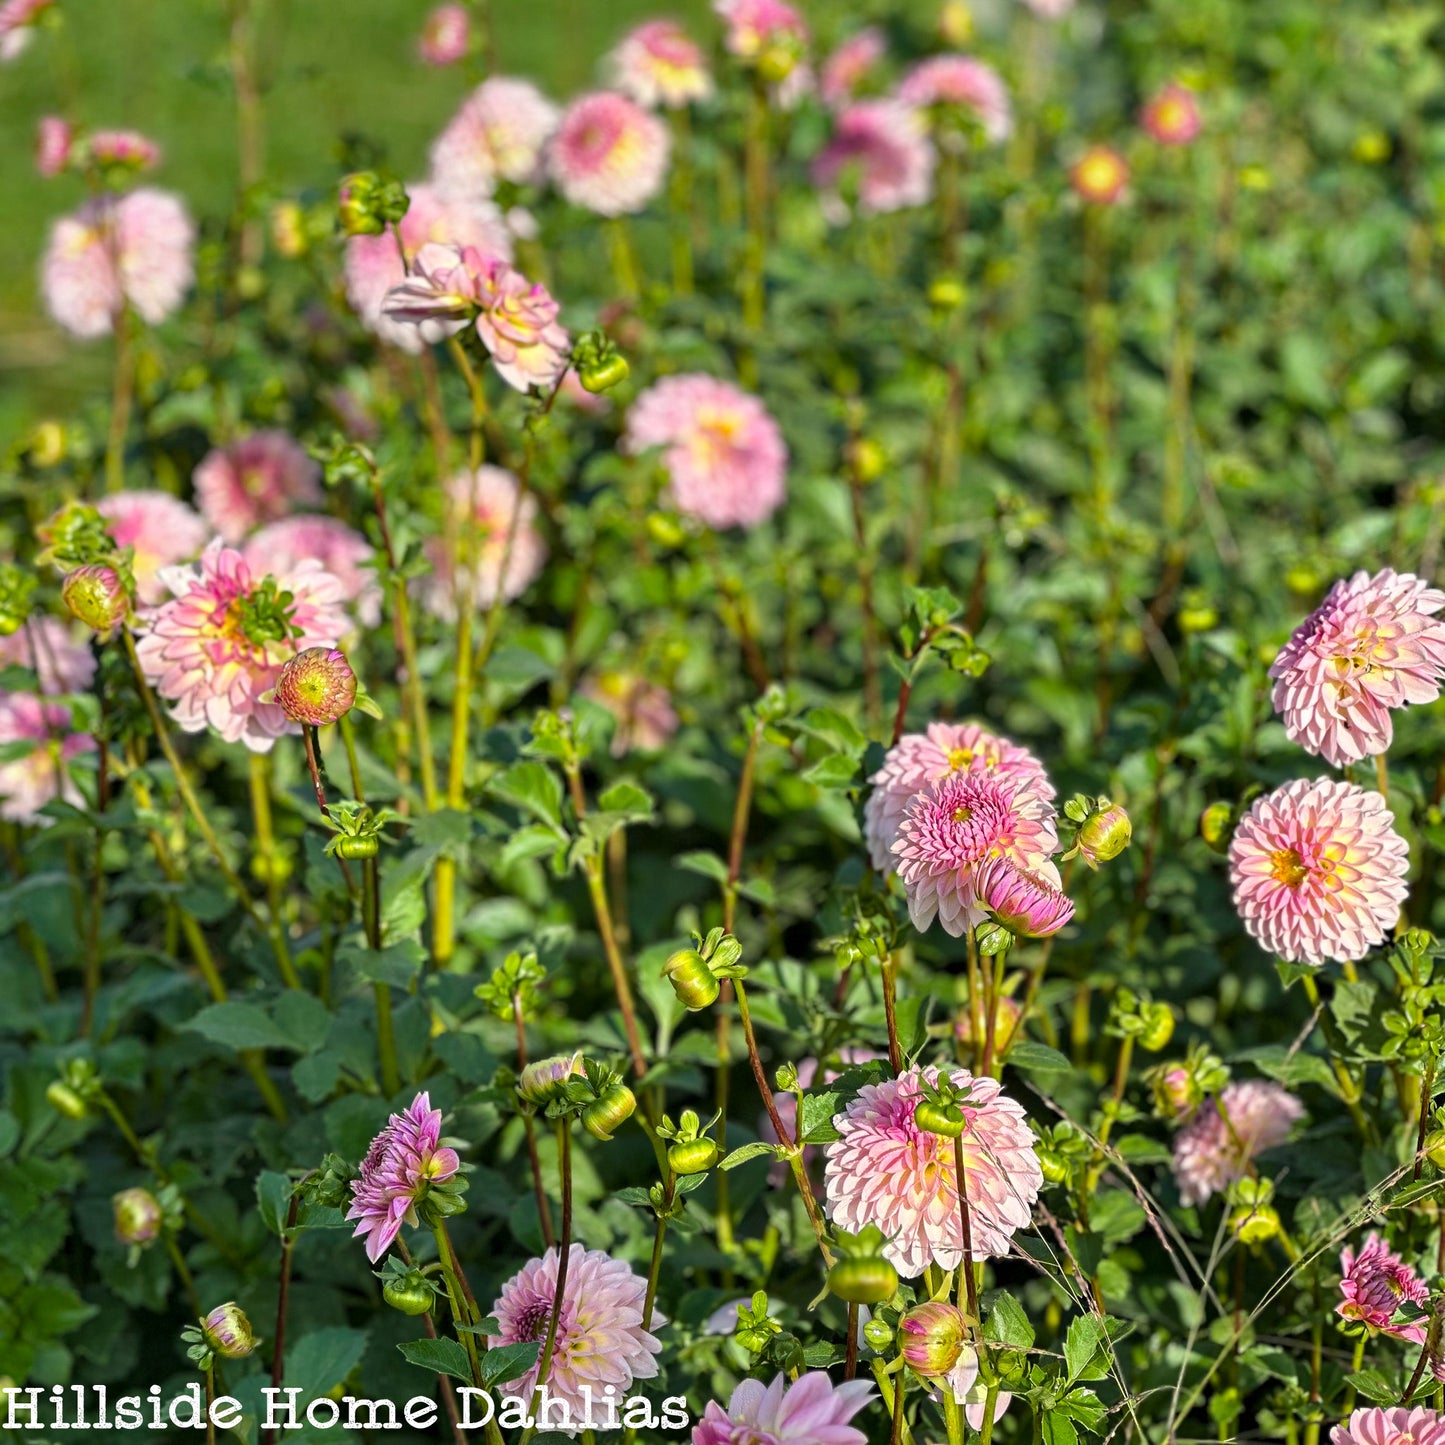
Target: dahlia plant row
{"x":753,"y":757}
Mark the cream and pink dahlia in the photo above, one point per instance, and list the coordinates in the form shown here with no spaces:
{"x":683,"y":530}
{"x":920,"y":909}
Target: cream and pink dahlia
{"x":39,"y":776}
{"x":490,"y":543}
{"x":499,"y":134}
{"x":123,"y":149}
{"x":880,"y":152}
{"x":849,"y":65}
{"x":1318,"y":871}
{"x":18,"y":19}
{"x":1217,"y":1146}
{"x":260,"y":478}
{"x":51,"y":650}
{"x":1172,"y":115}
{"x":659,"y":64}
{"x":964,"y":86}
{"x":1391,"y":1425}
{"x":754,"y":26}
{"x":609,"y":154}
{"x":446,"y":35}
{"x":724,"y":455}
{"x":886,"y":1171}
{"x":810,"y":1411}
{"x":1376,"y":1283}
{"x":341,"y":551}
{"x":160,"y":530}
{"x":1374,"y":644}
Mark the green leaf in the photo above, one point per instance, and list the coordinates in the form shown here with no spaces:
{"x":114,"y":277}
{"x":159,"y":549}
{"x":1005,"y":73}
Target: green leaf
{"x":626,"y":798}
{"x":273,"y":1199}
{"x":1007,"y":1324}
{"x":320,"y":1361}
{"x":840,"y":733}
{"x":1373,"y":1385}
{"x":507,"y":1362}
{"x":239,"y":1026}
{"x":534,"y":840}
{"x":1086,"y":1334}
{"x":708,"y":864}
{"x":818,"y":1111}
{"x":441,"y":1357}
{"x":303,"y":1018}
{"x":834,"y":771}
{"x":1059,"y":1429}
{"x":742,"y":1154}
{"x":398,"y":964}
{"x":534,"y":788}
{"x":1034,"y":1058}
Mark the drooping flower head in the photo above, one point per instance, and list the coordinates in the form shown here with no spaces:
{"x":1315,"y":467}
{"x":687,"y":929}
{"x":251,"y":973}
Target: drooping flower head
{"x":1215,"y":1148}
{"x":1374,"y":644}
{"x":659,"y":64}
{"x":499,"y":134}
{"x":1318,"y":871}
{"x":96,"y":595}
{"x":404,"y":1161}
{"x":137,"y":1215}
{"x":340,"y":550}
{"x":30,"y":781}
{"x":960,"y":85}
{"x":260,"y":478}
{"x":219,"y":643}
{"x":1391,"y":1425}
{"x":115,"y":251}
{"x":60,"y":660}
{"x":810,"y":1411}
{"x":544,"y":1080}
{"x":1172,"y":115}
{"x":18,"y":20}
{"x":446,"y":35}
{"x":1100,"y":177}
{"x":1020,"y":901}
{"x":849,"y":65}
{"x":724,"y":455}
{"x":160,"y":529}
{"x":643,"y":710}
{"x":600,"y":1339}
{"x":881,"y":148}
{"x":609,"y":155}
{"x":1376,"y":1283}
{"x":886,"y":1171}
{"x":53,"y":139}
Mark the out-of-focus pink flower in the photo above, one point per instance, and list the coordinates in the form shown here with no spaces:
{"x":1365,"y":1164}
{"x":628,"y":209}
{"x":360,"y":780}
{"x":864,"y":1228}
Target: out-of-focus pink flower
{"x":442,"y":291}
{"x":446,"y":35}
{"x":754,"y":26}
{"x":1391,"y":1425}
{"x":128,"y":250}
{"x":1318,"y":871}
{"x":260,"y":478}
{"x":885,"y":1170}
{"x":214,"y":649}
{"x":499,"y":134}
{"x":160,"y":529}
{"x":53,"y":137}
{"x":883,"y":147}
{"x":50,"y":649}
{"x":659,"y":64}
{"x":810,"y":1411}
{"x":29,"y":782}
{"x":492,"y":498}
{"x":1050,"y":9}
{"x":1020,"y":902}
{"x":18,"y":19}
{"x":1376,"y":1283}
{"x":1172,"y":116}
{"x":960,"y":83}
{"x":1216,"y":1147}
{"x":609,"y":155}
{"x":644,"y":711}
{"x":341,"y":551}
{"x":1100,"y":177}
{"x":125,"y":149}
{"x":725,"y":457}
{"x":849,"y":65}
{"x":593,"y":403}
{"x":1374,"y":644}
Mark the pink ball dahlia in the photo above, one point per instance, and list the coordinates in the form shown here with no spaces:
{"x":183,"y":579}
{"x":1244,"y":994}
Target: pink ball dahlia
{"x":404,"y":1160}
{"x":51,"y":650}
{"x":1172,"y":115}
{"x":1391,"y":1425}
{"x":18,"y":19}
{"x":160,"y":529}
{"x":609,"y":155}
{"x":1374,"y":644}
{"x":1215,"y":1148}
{"x":220,"y":642}
{"x":659,"y":64}
{"x":132,"y":250}
{"x":446,"y":35}
{"x":600,"y":1340}
{"x":849,"y":65}
{"x":886,"y":1171}
{"x":497,"y":508}
{"x":810,"y":1411}
{"x":499,"y":134}
{"x":643,"y":710}
{"x":882,"y":147}
{"x":29,"y":782}
{"x":918,"y":759}
{"x":1376,"y":1283}
{"x":961,"y":83}
{"x":1318,"y":871}
{"x":725,"y":457}
{"x":53,"y":140}
{"x":341,"y":551}
{"x":257,"y":479}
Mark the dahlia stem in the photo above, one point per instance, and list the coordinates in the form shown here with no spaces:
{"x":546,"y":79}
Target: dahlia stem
{"x":967,"y":1284}
{"x":250,"y":145}
{"x":210,"y":1398}
{"x":680,"y":197}
{"x":624,"y":261}
{"x":896,"y":1428}
{"x":990,"y":1399}
{"x":850,"y":1358}
{"x":656,"y":1267}
{"x":737,"y":837}
{"x":94,"y":918}
{"x":755,"y":171}
{"x":890,"y":1012}
{"x":283,"y":1300}
{"x":872,"y":690}
{"x":313,"y":766}
{"x":544,"y":1212}
{"x":1111,"y":1112}
{"x":460,"y":1315}
{"x":1426,"y":1091}
{"x":120,"y":402}
{"x":1382,"y":776}
{"x":975,"y":1003}
{"x":564,"y":1251}
{"x":995,"y":989}
{"x":1350,"y":1091}
{"x":953,"y":1423}
{"x":270,"y":861}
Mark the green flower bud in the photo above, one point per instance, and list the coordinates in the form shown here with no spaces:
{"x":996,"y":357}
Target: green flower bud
{"x":64,"y":1100}
{"x":612,"y":1108}
{"x":1216,"y":824}
{"x":412,"y":1294}
{"x":138,"y":1216}
{"x":1158,"y":1027}
{"x":944,"y":1119}
{"x":878,"y":1334}
{"x":1255,"y":1223}
{"x":931,"y":1338}
{"x":96,"y":595}
{"x":1105,"y":833}
{"x":863,"y":1280}
{"x":228,"y":1332}
{"x":693,"y":1156}
{"x":692,"y":980}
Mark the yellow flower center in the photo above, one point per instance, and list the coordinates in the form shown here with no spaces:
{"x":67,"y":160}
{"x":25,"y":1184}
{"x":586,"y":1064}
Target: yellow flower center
{"x":962,"y":814}
{"x":1288,"y":867}
{"x":960,"y":758}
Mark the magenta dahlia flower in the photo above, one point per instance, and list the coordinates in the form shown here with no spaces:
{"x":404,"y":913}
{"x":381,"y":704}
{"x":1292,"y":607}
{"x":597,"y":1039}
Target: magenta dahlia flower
{"x":260,"y":478}
{"x":1374,"y":644}
{"x":341,"y":551}
{"x":37,"y":777}
{"x":18,"y":19}
{"x":160,"y":530}
{"x":51,"y":650}
{"x":118,"y":251}
{"x":1019,"y":901}
{"x":882,"y":149}
{"x":810,"y":1411}
{"x":446,"y":35}
{"x":849,"y":65}
{"x":1216,"y":1147}
{"x":1391,"y":1425}
{"x":1318,"y":871}
{"x":659,"y":64}
{"x":600,"y":1339}
{"x":725,"y":457}
{"x":1172,"y":115}
{"x":960,"y":83}
{"x":887,"y":1171}
{"x":609,"y":155}
{"x":1376,"y":1283}
{"x":219,"y":643}
{"x":499,"y":134}
{"x":404,"y":1161}
{"x":54,"y":138}
{"x":643,"y":710}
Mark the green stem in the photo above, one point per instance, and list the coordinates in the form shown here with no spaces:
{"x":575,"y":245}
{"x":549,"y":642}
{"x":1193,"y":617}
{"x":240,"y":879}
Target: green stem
{"x":564,"y":1251}
{"x":270,"y":861}
{"x":656,"y":1266}
{"x":967,"y":1283}
{"x":120,"y":403}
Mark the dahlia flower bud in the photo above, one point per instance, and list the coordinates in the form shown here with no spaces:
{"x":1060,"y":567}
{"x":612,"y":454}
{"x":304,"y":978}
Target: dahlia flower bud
{"x":1105,"y":833}
{"x":17,"y":588}
{"x":944,"y":1119}
{"x":1176,"y":1092}
{"x":1435,"y":1148}
{"x":97,"y":596}
{"x":946,"y":294}
{"x":47,"y":445}
{"x":878,"y":1334}
{"x":693,"y":1156}
{"x":610,"y":1109}
{"x":54,"y":138}
{"x":866,"y":1279}
{"x":693,"y":981}
{"x":228,"y":1332}
{"x":1158,"y":1027}
{"x":1255,"y":1223}
{"x":931,"y":1338}
{"x":1100,"y":176}
{"x":367,"y":203}
{"x":410,"y":1293}
{"x":600,"y":366}
{"x":138,"y":1216}
{"x":1216,"y":824}
{"x":65,"y":1101}
{"x":446,"y":37}
{"x":542,"y":1082}
{"x":315,"y":687}
{"x":288,"y":229}
{"x":955,"y":24}
{"x":1021,"y":902}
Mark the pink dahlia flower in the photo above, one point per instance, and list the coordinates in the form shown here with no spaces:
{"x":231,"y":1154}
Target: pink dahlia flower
{"x":1376,"y":1283}
{"x":132,"y":250}
{"x":258,"y":479}
{"x":849,"y":65}
{"x":404,"y":1161}
{"x":1215,"y":1148}
{"x":918,"y":759}
{"x":754,"y":26}
{"x":1391,"y":1425}
{"x":725,"y":457}
{"x":643,"y":710}
{"x":1050,"y":9}
{"x":883,"y":147}
{"x":1020,"y":902}
{"x":887,"y":1171}
{"x":160,"y":530}
{"x":961,"y":83}
{"x":810,"y":1411}
{"x":446,"y":35}
{"x":213,"y":649}
{"x":341,"y":551}
{"x":1374,"y":644}
{"x":374,"y":268}
{"x":498,"y":508}
{"x":29,"y":782}
{"x":659,"y":64}
{"x":1172,"y":116}
{"x":128,"y":149}
{"x":18,"y":19}
{"x":1318,"y":871}
{"x":600,"y":1339}
{"x":53,"y":140}
{"x":609,"y":155}
{"x":51,"y":650}
{"x":499,"y":134}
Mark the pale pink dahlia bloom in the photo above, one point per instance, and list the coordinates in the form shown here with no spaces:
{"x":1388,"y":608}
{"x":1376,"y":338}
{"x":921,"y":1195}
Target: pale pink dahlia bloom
{"x":1372,"y":645}
{"x":18,"y":19}
{"x":341,"y":550}
{"x":918,"y":759}
{"x":848,"y":66}
{"x":29,"y":782}
{"x":114,"y":251}
{"x":1019,"y":901}
{"x":1215,"y":1148}
{"x":53,"y":140}
{"x":1376,"y":1283}
{"x":659,"y":64}
{"x":609,"y":155}
{"x":404,"y":1160}
{"x":446,"y":35}
{"x":499,"y":134}
{"x":1172,"y":115}
{"x":160,"y":530}
{"x":810,"y":1411}
{"x":883,"y":147}
{"x":210,"y":651}
{"x":128,"y":148}
{"x":1318,"y":871}
{"x":887,"y":1171}
{"x":600,"y":1339}
{"x":1391,"y":1425}
{"x":260,"y":478}
{"x":645,"y":716}
{"x":52,"y":650}
{"x":725,"y":457}
{"x":755,"y":25}
{"x":961,"y":83}
{"x":498,"y":507}
{"x":1050,"y":9}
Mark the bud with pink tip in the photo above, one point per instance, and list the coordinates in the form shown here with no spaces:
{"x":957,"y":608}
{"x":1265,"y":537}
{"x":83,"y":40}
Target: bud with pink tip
{"x":315,"y":687}
{"x":1104,"y":833}
{"x":446,"y":36}
{"x":138,"y":1216}
{"x":53,"y":140}
{"x":930,"y":1338}
{"x":1025,"y":904}
{"x":228,"y":1332}
{"x":97,"y":595}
